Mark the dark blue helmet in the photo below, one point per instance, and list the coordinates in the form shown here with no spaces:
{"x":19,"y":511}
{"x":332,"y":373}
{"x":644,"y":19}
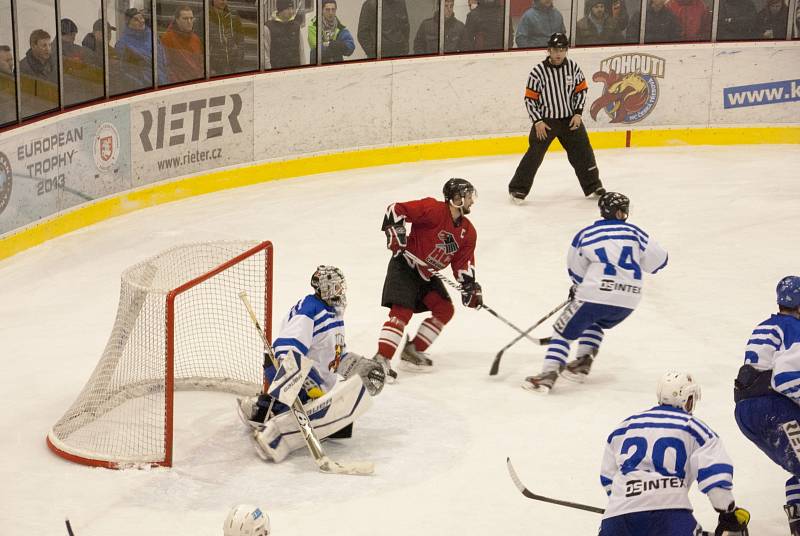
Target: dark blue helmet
{"x":611,"y":202}
{"x":789,"y":292}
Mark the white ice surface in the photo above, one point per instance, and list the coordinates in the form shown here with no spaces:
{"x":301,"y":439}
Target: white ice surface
{"x":728,"y":216}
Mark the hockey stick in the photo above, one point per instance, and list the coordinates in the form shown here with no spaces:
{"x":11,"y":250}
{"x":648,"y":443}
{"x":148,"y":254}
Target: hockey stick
{"x":325,"y":464}
{"x":69,"y":528}
{"x":496,"y":363}
{"x":444,"y":279}
{"x":578,"y":506}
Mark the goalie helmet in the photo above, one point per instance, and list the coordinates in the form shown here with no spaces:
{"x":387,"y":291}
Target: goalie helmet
{"x":611,"y":202}
{"x":678,"y":389}
{"x":246,"y":520}
{"x":329,"y":285}
{"x":789,"y":292}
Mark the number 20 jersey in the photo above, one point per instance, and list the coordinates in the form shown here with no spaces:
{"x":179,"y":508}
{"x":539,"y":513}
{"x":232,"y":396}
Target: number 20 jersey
{"x":607,"y":260}
{"x":652,"y":458}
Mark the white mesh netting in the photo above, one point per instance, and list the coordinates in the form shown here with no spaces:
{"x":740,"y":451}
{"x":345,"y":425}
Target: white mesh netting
{"x":120,"y":416}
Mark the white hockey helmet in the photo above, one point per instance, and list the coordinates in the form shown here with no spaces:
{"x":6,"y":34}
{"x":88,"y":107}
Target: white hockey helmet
{"x":678,"y":389}
{"x":329,"y":285}
{"x":246,"y":520}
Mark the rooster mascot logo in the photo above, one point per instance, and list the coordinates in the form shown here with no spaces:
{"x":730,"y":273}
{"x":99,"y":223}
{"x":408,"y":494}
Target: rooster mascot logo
{"x":630,"y":87}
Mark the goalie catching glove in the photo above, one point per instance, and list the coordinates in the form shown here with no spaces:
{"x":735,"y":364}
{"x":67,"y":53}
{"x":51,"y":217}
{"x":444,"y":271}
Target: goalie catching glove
{"x":733,"y":522}
{"x":370,"y":372}
{"x":471,"y":294}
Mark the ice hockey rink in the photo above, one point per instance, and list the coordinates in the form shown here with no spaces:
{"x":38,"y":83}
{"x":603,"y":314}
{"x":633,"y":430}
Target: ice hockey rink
{"x":727,"y":215}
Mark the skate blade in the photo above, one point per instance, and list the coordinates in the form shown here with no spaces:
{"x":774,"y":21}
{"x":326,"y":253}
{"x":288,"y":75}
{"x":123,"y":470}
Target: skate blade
{"x":538,"y":389}
{"x":572,"y":377}
{"x":411,"y":367}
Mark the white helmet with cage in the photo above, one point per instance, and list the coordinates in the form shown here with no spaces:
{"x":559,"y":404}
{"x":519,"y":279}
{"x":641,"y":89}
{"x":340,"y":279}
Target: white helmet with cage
{"x":329,"y":285}
{"x":678,"y":389}
{"x":246,"y":520}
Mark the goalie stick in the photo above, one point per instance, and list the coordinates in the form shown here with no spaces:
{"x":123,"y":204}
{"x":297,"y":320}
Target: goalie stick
{"x":325,"y":464}
{"x":578,"y":506}
{"x":496,"y":363}
{"x":444,"y":279}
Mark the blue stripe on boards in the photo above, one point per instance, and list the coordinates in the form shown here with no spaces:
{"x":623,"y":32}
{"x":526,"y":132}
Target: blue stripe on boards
{"x":713,"y":470}
{"x":657,"y":425}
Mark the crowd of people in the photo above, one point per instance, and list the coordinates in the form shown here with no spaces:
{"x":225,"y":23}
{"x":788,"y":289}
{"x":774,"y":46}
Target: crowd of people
{"x":179,"y":54}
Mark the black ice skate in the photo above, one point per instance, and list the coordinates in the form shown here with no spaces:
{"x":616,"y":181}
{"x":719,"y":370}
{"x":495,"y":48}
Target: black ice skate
{"x":578,"y":369}
{"x":413,"y":360}
{"x":541,"y":383}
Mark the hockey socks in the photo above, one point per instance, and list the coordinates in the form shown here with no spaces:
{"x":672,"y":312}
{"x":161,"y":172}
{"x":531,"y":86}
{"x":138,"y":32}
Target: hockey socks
{"x":390,"y":337}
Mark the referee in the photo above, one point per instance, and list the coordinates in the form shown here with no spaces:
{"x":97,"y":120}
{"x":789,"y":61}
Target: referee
{"x":554,"y":97}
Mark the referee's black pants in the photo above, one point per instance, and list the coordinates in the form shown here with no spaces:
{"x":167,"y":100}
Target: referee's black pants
{"x":579,"y":153}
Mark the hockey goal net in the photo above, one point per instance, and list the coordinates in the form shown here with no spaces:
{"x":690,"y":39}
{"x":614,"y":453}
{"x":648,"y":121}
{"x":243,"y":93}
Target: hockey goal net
{"x":180,"y":325}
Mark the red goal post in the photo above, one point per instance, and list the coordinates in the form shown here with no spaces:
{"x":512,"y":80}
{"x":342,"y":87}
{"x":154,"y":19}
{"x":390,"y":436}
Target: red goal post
{"x":179,"y":325}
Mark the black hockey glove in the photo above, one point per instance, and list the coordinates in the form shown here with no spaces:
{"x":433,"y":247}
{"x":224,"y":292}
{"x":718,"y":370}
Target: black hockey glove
{"x":733,"y":523}
{"x":572,"y":291}
{"x":396,"y":239}
{"x":471,"y":294}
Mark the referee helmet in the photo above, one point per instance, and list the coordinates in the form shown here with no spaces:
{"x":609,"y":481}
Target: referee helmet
{"x":558,"y":40}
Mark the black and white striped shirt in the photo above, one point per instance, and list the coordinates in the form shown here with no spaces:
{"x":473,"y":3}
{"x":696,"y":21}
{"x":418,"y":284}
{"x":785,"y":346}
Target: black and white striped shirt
{"x":555,"y":92}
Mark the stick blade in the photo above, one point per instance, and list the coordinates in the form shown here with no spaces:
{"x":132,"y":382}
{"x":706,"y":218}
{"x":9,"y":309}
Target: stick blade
{"x":514,"y":476}
{"x":496,"y":364}
{"x":326,"y":465}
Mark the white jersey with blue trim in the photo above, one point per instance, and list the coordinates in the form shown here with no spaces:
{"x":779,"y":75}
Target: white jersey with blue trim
{"x":775,"y":345}
{"x":606,"y":260}
{"x":652,"y":458}
{"x":315,"y":330}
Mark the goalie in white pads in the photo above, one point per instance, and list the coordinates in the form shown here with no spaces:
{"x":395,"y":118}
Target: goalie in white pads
{"x":315,"y":366}
{"x":650,"y":461}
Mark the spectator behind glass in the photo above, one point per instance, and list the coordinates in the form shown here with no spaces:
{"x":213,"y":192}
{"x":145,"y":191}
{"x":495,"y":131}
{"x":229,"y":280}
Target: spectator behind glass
{"x":395,"y":30}
{"x":94,"y":38}
{"x":661,"y":26}
{"x":538,"y":23}
{"x":595,"y":27}
{"x":472,"y":4}
{"x":484,"y":27}
{"x":694,"y":18}
{"x":617,"y":21}
{"x":38,"y":72}
{"x":8,"y":105}
{"x":225,"y":39}
{"x":337,"y":41}
{"x":135,"y":52}
{"x":83,"y":80}
{"x":737,"y":20}
{"x":183,"y":50}
{"x":282,"y":43}
{"x":772,"y":20}
{"x":427,"y":39}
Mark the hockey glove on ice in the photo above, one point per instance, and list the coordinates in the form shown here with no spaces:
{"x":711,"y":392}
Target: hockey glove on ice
{"x":396,"y":239}
{"x":733,"y":522}
{"x":471,"y":294}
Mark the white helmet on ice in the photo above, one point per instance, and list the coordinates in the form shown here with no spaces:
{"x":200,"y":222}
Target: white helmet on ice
{"x":678,"y":389}
{"x":246,"y":520}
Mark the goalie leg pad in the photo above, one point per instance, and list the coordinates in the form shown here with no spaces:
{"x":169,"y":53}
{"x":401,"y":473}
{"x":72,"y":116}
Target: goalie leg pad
{"x":335,"y":410}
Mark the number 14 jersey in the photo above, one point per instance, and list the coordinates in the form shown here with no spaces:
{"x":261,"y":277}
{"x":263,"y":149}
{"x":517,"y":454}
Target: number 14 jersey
{"x":606,"y":260}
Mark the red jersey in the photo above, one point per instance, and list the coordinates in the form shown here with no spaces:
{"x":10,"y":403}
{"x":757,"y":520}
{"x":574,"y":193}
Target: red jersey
{"x":435,"y":238}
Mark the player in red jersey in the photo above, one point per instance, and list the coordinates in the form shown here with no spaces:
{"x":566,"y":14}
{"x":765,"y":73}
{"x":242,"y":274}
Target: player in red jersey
{"x":440,"y":235}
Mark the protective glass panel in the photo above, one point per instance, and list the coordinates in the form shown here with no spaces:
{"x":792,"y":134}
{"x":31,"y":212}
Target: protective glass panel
{"x":286,"y":32}
{"x":535,"y":22}
{"x":395,"y":26}
{"x":772,"y":19}
{"x":83,"y":73}
{"x":181,"y":38}
{"x":674,"y":21}
{"x":38,"y":68}
{"x":367,"y":32}
{"x":8,"y":88}
{"x":423,"y":23}
{"x":338,"y":32}
{"x":796,"y":22}
{"x":426,"y":37}
{"x":604,"y":22}
{"x":233,"y":36}
{"x":738,"y":21}
{"x":131,"y":60}
{"x":483,"y":24}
